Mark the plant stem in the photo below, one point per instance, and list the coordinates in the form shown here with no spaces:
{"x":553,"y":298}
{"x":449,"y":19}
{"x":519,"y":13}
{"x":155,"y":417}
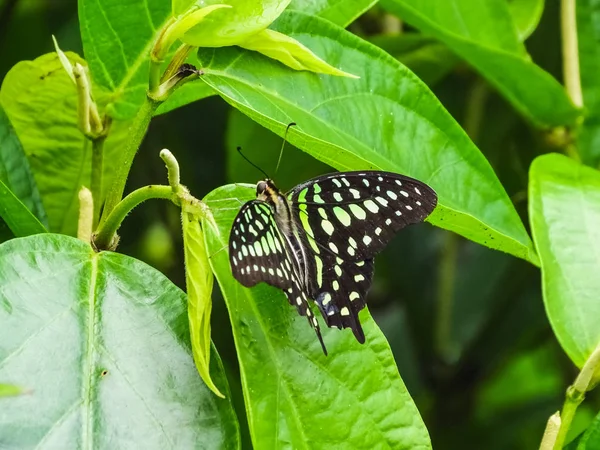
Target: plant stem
{"x":97,"y":170}
{"x":570,"y":50}
{"x":108,"y":229}
{"x":137,"y":131}
{"x":576,"y":394}
{"x":572,"y":401}
{"x":445,"y":297}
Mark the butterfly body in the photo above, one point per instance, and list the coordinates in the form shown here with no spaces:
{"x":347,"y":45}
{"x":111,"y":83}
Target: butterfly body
{"x":318,"y":241}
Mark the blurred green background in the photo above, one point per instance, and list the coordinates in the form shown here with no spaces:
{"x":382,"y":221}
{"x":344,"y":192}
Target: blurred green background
{"x":466,"y":324}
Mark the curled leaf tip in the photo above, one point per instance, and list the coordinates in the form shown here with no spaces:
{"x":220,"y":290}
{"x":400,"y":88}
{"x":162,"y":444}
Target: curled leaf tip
{"x":290,"y":52}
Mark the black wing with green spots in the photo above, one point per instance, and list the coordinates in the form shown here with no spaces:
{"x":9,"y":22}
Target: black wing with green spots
{"x":337,"y":223}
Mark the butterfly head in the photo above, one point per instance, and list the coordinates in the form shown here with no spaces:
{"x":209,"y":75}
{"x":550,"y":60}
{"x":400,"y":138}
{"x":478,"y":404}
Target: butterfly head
{"x":266,"y":190}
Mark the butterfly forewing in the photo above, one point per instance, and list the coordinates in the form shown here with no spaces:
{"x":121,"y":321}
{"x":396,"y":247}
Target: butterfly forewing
{"x":355,"y":214}
{"x":256,"y":250}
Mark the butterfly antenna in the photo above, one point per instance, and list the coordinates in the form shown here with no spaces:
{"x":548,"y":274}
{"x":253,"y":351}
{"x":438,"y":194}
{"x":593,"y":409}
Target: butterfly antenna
{"x":239,"y":149}
{"x":291,"y":124}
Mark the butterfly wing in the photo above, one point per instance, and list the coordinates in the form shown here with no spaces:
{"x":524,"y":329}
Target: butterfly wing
{"x":258,"y":252}
{"x":348,"y":218}
{"x":356,"y":214}
{"x":343,"y":294}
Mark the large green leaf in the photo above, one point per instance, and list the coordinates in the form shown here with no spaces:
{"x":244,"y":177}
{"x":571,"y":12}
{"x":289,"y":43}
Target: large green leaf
{"x":340,"y":12}
{"x":296,"y":397}
{"x":102,"y":341}
{"x":429,"y":59}
{"x":388,"y":119}
{"x":41,"y":102}
{"x":15,"y":171}
{"x":588,"y":31}
{"x":117,"y":38}
{"x":589,"y":440}
{"x":565,"y":220}
{"x":16,"y":215}
{"x":483,"y":33}
{"x":526,"y":15}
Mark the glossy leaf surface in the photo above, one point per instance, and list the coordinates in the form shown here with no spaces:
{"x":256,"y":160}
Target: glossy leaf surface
{"x":483,"y":34}
{"x":102,"y":342}
{"x":41,"y":102}
{"x":117,"y":38}
{"x":565,"y":220}
{"x":588,"y":30}
{"x":15,"y":171}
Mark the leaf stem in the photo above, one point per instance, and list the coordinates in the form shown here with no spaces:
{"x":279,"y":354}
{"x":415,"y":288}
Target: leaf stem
{"x":137,"y":131}
{"x":570,"y":50}
{"x":573,"y":399}
{"x":98,"y":169}
{"x":445,"y":297}
{"x":105,"y":235}
{"x":585,"y":381}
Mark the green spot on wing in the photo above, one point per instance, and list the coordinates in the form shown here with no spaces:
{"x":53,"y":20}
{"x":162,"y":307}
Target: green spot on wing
{"x":342,"y":215}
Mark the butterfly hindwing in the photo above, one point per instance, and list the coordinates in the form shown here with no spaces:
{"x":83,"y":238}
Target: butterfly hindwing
{"x":356,"y":214}
{"x":343,"y":293}
{"x":256,"y":250}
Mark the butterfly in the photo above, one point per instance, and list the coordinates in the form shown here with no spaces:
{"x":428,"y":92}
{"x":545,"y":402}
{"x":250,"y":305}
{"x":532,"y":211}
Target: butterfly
{"x":318,"y":241}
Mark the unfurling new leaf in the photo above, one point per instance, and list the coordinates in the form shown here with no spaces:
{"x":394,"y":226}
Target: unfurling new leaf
{"x":199,"y":282}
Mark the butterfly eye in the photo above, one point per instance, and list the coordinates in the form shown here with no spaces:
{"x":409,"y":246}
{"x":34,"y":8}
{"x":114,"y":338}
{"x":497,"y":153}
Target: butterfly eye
{"x":261,"y":186}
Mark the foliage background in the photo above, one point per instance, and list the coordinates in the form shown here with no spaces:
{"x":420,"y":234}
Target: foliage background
{"x":466,"y":324}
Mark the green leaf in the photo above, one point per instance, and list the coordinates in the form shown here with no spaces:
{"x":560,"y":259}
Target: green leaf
{"x":340,"y":12}
{"x":484,"y":34}
{"x":199,"y":283}
{"x":15,"y":171}
{"x":565,"y":220}
{"x":526,"y":15}
{"x":233,"y":26}
{"x":429,"y":59}
{"x":9,"y":390}
{"x":102,"y":340}
{"x":19,"y":219}
{"x":117,"y":39}
{"x":41,"y":102}
{"x":290,"y":52}
{"x":295,"y":396}
{"x":589,"y":440}
{"x":588,"y":34}
{"x":388,"y":119}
